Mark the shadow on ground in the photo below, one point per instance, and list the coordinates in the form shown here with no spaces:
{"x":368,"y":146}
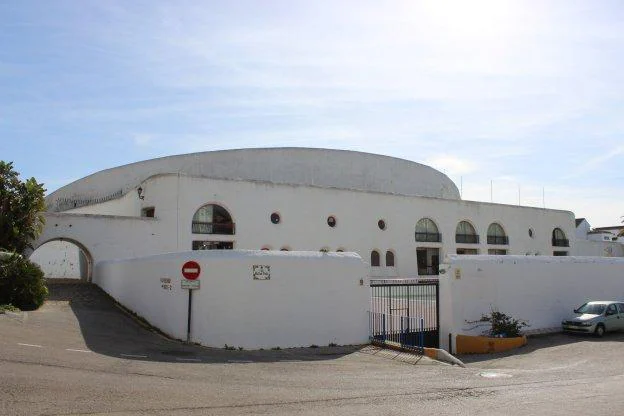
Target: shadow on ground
{"x":109,"y":330}
{"x":539,"y":342}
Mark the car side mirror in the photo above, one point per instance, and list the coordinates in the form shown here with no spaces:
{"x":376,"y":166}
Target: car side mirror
{"x":576,"y":311}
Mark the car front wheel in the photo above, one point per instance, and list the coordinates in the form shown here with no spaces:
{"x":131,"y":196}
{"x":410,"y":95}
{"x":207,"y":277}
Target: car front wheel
{"x":600,"y":330}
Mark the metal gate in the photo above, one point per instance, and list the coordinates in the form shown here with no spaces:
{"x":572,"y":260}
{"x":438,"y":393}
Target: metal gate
{"x":404,"y":312}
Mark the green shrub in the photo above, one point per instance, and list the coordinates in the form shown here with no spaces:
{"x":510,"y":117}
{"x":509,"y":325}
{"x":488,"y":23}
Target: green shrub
{"x":503,"y":325}
{"x":21,"y":283}
{"x":8,"y":308}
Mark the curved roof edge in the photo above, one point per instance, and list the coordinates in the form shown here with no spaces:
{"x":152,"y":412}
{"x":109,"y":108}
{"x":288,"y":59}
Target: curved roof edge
{"x":343,"y":169}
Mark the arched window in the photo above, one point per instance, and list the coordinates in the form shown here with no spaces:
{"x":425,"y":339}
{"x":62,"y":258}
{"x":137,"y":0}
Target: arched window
{"x":389,"y":259}
{"x":466,"y":234}
{"x":496,"y":235}
{"x":374,"y":258}
{"x":427,"y":230}
{"x":559,"y":238}
{"x":212,"y":219}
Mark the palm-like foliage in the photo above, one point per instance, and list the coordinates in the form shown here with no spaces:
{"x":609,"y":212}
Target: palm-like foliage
{"x":21,"y":209}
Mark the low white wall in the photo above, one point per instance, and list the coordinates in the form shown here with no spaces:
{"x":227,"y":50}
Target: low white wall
{"x":542,"y":290}
{"x":311,"y":298}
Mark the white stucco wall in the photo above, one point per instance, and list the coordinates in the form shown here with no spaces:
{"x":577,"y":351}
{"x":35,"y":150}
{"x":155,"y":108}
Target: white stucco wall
{"x":541,"y":290}
{"x":105,"y":237}
{"x":582,"y":230}
{"x":311,"y":298}
{"x":304,"y":211}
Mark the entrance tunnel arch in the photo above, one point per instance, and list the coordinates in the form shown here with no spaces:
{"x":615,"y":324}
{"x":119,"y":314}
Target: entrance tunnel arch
{"x":63,"y":258}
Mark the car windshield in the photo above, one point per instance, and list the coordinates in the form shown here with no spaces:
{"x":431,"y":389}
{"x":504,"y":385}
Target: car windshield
{"x":592,"y":308}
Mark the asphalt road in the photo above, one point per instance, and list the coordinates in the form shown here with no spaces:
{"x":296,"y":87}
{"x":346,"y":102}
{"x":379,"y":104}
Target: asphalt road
{"x":80,"y":355}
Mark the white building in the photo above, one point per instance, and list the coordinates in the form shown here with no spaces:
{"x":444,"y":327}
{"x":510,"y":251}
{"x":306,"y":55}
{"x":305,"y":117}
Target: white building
{"x":138,"y":225}
{"x":602,"y":242}
{"x":402,"y":217}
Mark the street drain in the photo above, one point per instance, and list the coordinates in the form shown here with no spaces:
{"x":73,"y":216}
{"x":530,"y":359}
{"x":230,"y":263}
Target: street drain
{"x":491,"y":374}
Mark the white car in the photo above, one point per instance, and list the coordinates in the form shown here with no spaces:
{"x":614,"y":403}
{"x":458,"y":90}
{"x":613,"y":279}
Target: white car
{"x":596,"y":317}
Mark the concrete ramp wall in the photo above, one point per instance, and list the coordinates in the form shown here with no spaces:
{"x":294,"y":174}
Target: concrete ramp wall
{"x":540,"y":289}
{"x":295,"y":298}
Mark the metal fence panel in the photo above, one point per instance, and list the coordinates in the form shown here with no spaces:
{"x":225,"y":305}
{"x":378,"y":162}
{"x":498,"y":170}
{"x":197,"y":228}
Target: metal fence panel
{"x":405,"y":312}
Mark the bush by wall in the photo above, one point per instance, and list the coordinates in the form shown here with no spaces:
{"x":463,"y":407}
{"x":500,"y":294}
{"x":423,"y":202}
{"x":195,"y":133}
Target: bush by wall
{"x":21,"y":283}
{"x":502,"y":325}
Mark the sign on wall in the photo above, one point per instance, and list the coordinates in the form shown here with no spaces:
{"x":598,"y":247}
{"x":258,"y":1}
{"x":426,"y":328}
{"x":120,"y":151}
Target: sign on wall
{"x":191,"y":270}
{"x":261,"y":272}
{"x":190,"y":284}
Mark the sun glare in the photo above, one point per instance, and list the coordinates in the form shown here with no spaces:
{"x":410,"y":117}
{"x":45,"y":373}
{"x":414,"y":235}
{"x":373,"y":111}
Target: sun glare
{"x":469,"y":19}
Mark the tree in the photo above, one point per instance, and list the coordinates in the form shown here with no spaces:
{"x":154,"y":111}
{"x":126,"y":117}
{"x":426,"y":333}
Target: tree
{"x":21,"y":209}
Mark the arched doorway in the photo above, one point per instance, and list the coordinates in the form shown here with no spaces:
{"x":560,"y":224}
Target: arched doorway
{"x":63,"y":259}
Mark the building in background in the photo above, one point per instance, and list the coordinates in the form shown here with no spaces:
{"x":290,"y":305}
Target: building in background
{"x":602,"y":241}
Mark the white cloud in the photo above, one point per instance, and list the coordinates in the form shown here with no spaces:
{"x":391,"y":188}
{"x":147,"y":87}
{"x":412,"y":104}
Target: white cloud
{"x":503,"y":91}
{"x":598,"y":161}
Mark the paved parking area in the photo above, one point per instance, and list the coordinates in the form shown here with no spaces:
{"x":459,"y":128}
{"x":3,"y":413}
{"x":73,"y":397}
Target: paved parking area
{"x":79,"y":354}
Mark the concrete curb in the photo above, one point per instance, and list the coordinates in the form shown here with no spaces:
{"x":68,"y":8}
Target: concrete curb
{"x":443,"y":355}
{"x":433,"y":353}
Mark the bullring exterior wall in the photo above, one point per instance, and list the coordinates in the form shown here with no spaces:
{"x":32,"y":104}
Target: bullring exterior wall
{"x":304,"y":210}
{"x":303,"y":224}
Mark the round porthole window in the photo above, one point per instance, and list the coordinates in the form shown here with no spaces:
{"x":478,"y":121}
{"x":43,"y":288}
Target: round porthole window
{"x":331,"y":221}
{"x":275,"y":218}
{"x":381,"y":224}
{"x":531,"y":232}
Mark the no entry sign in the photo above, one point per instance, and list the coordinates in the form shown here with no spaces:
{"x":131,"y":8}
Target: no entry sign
{"x":191,"y":270}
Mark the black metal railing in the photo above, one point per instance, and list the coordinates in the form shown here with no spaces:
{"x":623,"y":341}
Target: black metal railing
{"x":64,"y":204}
{"x":428,"y":271}
{"x":561,"y":242}
{"x":405,"y":312}
{"x":428,"y":237}
{"x":226,"y":228}
{"x":501,"y":240}
{"x":213,"y":245}
{"x":467,"y":238}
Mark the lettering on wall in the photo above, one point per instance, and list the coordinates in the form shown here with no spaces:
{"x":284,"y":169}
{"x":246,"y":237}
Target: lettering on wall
{"x":261,"y":272}
{"x":165,"y":283}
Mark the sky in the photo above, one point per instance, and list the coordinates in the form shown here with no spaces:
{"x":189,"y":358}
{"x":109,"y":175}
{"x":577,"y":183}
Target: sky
{"x":518,"y":102}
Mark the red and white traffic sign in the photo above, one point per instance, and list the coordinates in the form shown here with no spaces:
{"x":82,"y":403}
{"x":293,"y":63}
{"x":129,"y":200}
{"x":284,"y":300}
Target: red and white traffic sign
{"x":191,"y":270}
